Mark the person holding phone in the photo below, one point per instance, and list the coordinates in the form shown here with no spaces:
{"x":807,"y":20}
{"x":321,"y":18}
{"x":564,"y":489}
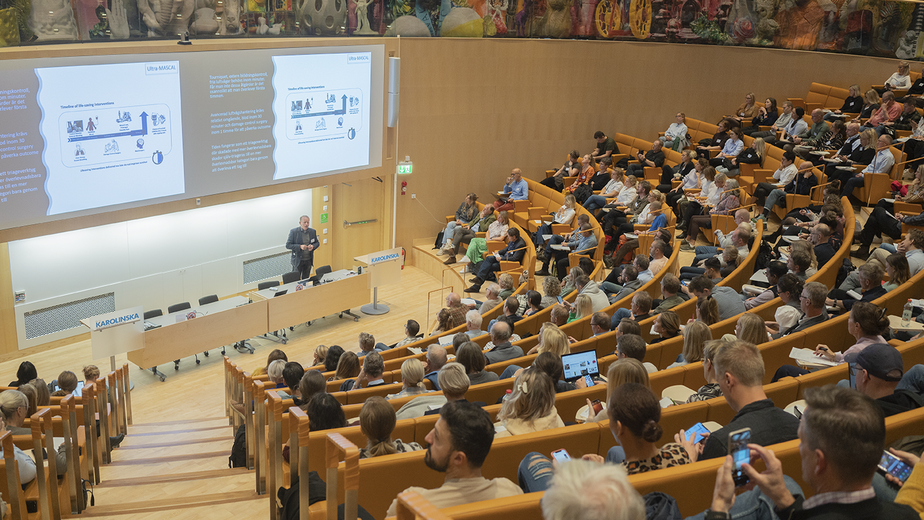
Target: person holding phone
{"x":841,"y":438}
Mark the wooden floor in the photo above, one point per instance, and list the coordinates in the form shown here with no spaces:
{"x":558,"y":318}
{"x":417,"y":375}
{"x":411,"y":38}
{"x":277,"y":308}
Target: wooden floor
{"x":174,"y":462}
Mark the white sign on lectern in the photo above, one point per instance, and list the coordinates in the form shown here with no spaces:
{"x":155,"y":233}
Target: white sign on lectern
{"x":116,"y":332}
{"x":384,"y":268}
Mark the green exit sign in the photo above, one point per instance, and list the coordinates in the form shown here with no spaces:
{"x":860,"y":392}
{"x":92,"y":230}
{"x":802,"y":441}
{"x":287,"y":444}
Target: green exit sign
{"x":405,"y":169}
{"x":323,"y":218}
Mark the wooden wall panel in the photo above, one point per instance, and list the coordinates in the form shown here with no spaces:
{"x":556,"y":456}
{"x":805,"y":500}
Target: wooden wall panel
{"x":8,"y":341}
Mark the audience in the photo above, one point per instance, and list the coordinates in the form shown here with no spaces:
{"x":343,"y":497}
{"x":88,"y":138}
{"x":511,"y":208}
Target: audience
{"x":436,"y":358}
{"x":615,"y":498}
{"x":347,"y":367}
{"x":729,"y":301}
{"x":369,"y":375}
{"x":503,"y":349}
{"x":454,"y":383}
{"x":411,"y":329}
{"x":412,"y":376}
{"x":879,"y":370}
{"x":473,"y":322}
{"x":666,"y":325}
{"x":470,"y":356}
{"x":711,"y":389}
{"x":492,"y":298}
{"x":695,"y":336}
{"x":12,"y":404}
{"x":311,"y":383}
{"x":332,"y":358}
{"x":377,"y":422}
{"x":531,"y":406}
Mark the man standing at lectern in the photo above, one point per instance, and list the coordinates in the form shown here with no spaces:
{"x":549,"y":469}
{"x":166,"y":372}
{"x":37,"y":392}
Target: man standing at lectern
{"x":302,"y":242}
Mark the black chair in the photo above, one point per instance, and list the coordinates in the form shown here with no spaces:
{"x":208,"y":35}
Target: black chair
{"x":291,"y":276}
{"x":319,"y":273}
{"x":153,"y":314}
{"x":177,"y":307}
{"x":212,"y":298}
{"x":267,"y":285}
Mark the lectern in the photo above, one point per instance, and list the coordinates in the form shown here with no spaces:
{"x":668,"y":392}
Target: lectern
{"x":384,"y":268}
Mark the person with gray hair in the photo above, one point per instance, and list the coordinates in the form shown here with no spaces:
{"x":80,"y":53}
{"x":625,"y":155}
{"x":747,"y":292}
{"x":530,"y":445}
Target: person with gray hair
{"x":436,"y":358}
{"x":369,"y":375}
{"x":14,"y":404}
{"x":274,"y":371}
{"x":812,"y":304}
{"x":492,"y":298}
{"x":454,"y":383}
{"x":739,"y":370}
{"x":503,"y":349}
{"x":473,"y":322}
{"x":584,"y":490}
{"x":870,"y":276}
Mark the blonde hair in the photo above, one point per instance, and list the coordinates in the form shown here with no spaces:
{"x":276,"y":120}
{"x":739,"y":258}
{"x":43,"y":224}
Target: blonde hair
{"x":377,"y":421}
{"x":347,"y":366}
{"x":759,"y":146}
{"x":583,"y":306}
{"x":533,"y":397}
{"x":412,"y":372}
{"x":753,"y":329}
{"x":871,"y":96}
{"x":570,"y":201}
{"x":553,"y":339}
{"x":320,"y":353}
{"x":12,"y":400}
{"x":806,"y":246}
{"x":505,"y":281}
{"x":658,"y":196}
{"x":695,"y":336}
{"x":626,"y":370}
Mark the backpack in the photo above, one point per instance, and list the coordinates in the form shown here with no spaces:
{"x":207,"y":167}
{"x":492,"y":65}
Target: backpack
{"x":582,"y":193}
{"x":764,"y":257}
{"x":439,"y":241}
{"x":661,"y":506}
{"x":238,"y":458}
{"x":846,"y":268}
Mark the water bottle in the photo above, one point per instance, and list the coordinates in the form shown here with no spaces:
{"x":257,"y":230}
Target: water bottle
{"x":906,"y":314}
{"x":508,"y":394}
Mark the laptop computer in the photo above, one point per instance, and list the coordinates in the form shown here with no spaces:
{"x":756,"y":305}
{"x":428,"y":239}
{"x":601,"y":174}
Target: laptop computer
{"x":579,"y":365}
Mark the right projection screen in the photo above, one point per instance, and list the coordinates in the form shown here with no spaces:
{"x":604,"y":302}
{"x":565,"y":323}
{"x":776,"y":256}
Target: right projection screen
{"x":85,"y":135}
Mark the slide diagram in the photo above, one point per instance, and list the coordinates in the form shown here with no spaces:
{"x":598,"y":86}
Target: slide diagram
{"x":323,"y":115}
{"x":321,"y":106}
{"x":113,"y":133}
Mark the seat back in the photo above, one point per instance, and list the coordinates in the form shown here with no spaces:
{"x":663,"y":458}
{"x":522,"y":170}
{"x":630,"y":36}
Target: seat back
{"x":267,"y":285}
{"x":212,"y":298}
{"x":291,"y":276}
{"x":153,"y":313}
{"x":177,"y":307}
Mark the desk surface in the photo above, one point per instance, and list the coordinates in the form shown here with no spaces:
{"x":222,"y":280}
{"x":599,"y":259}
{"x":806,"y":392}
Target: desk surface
{"x":300,"y":285}
{"x":200,"y":310}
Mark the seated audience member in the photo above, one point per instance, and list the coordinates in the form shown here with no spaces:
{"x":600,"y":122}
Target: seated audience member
{"x":620,"y":372}
{"x":775,"y":271}
{"x":559,"y":315}
{"x":473,"y":322}
{"x":606,"y":146}
{"x":436,"y":358}
{"x":533,"y":303}
{"x":531,"y":406}
{"x":797,"y":127}
{"x":820,"y":236}
{"x":466,"y":212}
{"x":729,"y":201}
{"x":742,"y":220}
{"x":510,"y":310}
{"x":695,"y":337}
{"x":660,"y":251}
{"x":628,"y":284}
{"x":707,"y":310}
{"x":552,"y":289}
{"x":879,"y":370}
{"x":492,"y":298}
{"x":514,"y":252}
{"x":811,"y":301}
{"x":861,"y":150}
{"x":556,"y":180}
{"x":716,"y":142}
{"x":889,"y":110}
{"x":582,"y":307}
{"x":457,"y":311}
{"x":347,"y":367}
{"x":9,"y":406}
{"x":545,"y":253}
{"x":817,"y":133}
{"x":442,"y":323}
{"x":470,"y":356}
{"x":766,"y":116}
{"x":310,"y":384}
{"x":634,"y":413}
{"x":332,"y":358}
{"x":553,"y":339}
{"x":801,"y":184}
{"x":711,"y":389}
{"x":91,"y":372}
{"x":739,"y":369}
{"x":841,"y":439}
{"x":799,"y":263}
{"x":503,"y":349}
{"x":564,"y":215}
{"x":870,"y":276}
{"x":633,"y":346}
{"x":614,"y":217}
{"x":614,"y":496}
{"x":750,"y":328}
{"x":377,"y":422}
{"x":67,"y":383}
{"x":15,"y":409}
{"x":325,"y":413}
{"x":411,"y":329}
{"x":599,"y":323}
{"x":666,"y":325}
{"x":737,"y":241}
{"x":852,"y":104}
{"x":454,"y":383}
{"x":882,"y":163}
{"x":688,"y":172}
{"x":477,"y":246}
{"x":610,"y":190}
{"x":584,"y":174}
{"x":26,"y":373}
{"x":675,"y":137}
{"x":900,"y":80}
{"x":881,"y":222}
{"x":370,"y":375}
{"x":728,"y":300}
{"x":584,"y":243}
{"x":320,"y":354}
{"x":638,"y":310}
{"x":550,"y":364}
{"x":274,"y":371}
{"x":731,"y":149}
{"x":458,"y":445}
{"x":785,"y":117}
{"x":653,"y":158}
{"x":670,"y":287}
{"x":481,"y":223}
{"x":412,"y":376}
{"x":515,"y":188}
{"x":292,"y":374}
{"x":782,"y":176}
{"x":505,"y":281}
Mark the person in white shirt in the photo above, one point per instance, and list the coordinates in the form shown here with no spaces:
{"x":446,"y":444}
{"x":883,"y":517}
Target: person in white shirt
{"x":789,"y":289}
{"x":882,"y":163}
{"x":564,"y":215}
{"x":458,"y":446}
{"x":900,"y":80}
{"x":675,"y":137}
{"x":612,"y":189}
{"x":783,"y":176}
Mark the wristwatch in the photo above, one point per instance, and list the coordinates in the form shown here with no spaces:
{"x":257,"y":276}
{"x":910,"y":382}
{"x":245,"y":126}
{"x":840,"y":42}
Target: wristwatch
{"x":716,"y":515}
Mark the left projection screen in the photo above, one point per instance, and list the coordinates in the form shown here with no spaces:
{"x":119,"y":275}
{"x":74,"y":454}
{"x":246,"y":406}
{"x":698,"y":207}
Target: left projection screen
{"x":86,"y":135}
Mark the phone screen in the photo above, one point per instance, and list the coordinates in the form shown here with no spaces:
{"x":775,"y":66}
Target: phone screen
{"x":589,"y":380}
{"x":741,"y":454}
{"x":598,"y":406}
{"x":894,"y":466}
{"x":561,"y":455}
{"x":697,"y":430}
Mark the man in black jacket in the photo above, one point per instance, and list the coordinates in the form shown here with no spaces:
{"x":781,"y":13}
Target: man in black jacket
{"x":812,"y":303}
{"x":841,"y":438}
{"x":514,"y":252}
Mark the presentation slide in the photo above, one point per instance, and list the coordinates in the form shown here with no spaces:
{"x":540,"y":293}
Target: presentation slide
{"x":84,"y":135}
{"x":322,"y":113}
{"x":113,"y":134}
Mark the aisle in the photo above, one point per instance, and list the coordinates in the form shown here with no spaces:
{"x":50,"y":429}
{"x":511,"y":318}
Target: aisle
{"x":176,"y":470}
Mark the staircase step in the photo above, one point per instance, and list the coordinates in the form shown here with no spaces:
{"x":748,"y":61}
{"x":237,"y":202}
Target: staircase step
{"x":205,"y":503}
{"x":175,"y":477}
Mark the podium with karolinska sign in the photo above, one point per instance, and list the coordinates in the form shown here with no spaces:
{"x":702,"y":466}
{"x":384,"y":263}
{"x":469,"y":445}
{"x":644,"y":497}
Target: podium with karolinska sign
{"x":116,"y":333}
{"x":384,"y":268}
